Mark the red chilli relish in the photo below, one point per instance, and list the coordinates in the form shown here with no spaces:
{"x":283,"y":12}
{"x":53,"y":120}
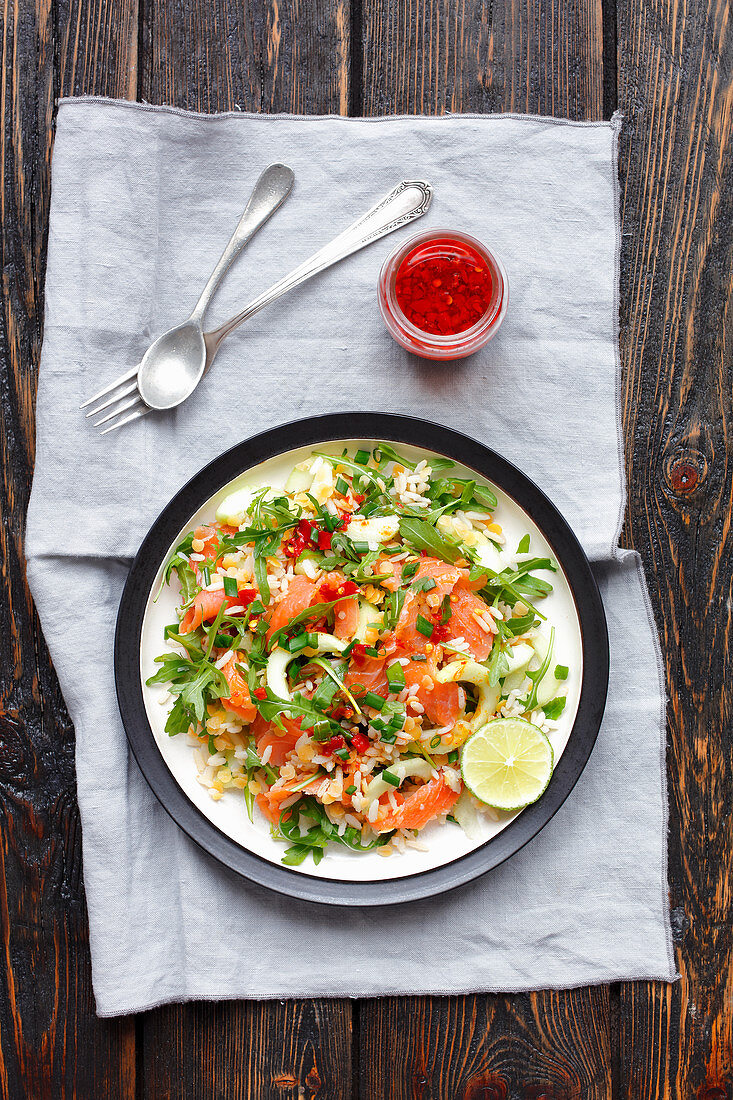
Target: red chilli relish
{"x":443,"y":294}
{"x":443,"y":286}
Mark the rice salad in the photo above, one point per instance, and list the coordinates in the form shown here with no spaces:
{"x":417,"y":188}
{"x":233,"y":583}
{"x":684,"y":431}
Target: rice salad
{"x":341,"y":642}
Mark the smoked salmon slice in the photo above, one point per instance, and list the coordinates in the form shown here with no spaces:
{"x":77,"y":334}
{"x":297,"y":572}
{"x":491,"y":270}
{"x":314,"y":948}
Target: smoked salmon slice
{"x":346,"y":617}
{"x":368,"y":674}
{"x":415,"y":810}
{"x":463,"y":622}
{"x":300,"y":594}
{"x":267,"y":734}
{"x":240,"y":700}
{"x":441,"y":702}
{"x":205,"y":607}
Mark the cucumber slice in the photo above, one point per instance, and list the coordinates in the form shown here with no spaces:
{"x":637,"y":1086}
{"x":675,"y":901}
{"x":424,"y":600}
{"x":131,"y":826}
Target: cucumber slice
{"x":276,"y":672}
{"x":416,"y":765}
{"x":234,"y":507}
{"x":299,"y":481}
{"x":369,"y":616}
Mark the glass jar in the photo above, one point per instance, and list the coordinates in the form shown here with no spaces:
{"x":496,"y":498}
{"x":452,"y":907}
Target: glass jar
{"x":443,"y":294}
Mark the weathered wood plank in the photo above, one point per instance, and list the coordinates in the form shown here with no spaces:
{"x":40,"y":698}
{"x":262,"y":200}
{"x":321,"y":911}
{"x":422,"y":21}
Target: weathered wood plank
{"x":486,"y":1048}
{"x":271,"y":1050}
{"x":51,"y":1044}
{"x":258,"y":55}
{"x":433,"y":56}
{"x":97,"y":46}
{"x":675,"y":67}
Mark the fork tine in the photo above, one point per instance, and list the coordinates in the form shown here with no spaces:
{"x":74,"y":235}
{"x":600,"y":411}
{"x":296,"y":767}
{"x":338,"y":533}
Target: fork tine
{"x":142,"y":411}
{"x":132,"y":373}
{"x":131,"y":387}
{"x":122,"y":407}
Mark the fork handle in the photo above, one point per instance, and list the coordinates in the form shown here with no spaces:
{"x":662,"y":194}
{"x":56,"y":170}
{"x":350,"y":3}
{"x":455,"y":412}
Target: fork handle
{"x":409,"y":200}
{"x":270,"y":191}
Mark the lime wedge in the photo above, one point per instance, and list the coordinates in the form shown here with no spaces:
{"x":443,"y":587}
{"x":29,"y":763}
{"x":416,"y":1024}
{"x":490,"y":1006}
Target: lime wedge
{"x":507,"y":763}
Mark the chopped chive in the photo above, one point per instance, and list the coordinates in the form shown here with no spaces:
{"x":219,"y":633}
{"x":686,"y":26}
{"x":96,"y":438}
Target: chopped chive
{"x":445,"y":610}
{"x":349,"y":649}
{"x":312,"y":640}
{"x":342,"y":753}
{"x":373,"y":700}
{"x":561,"y":672}
{"x":341,"y":486}
{"x":256,"y":607}
{"x":390,"y":777}
{"x":360,"y":547}
{"x":409,"y":570}
{"x":418,"y":657}
{"x":424,"y":584}
{"x":453,"y":756}
{"x":212,"y":746}
{"x":262,"y":627}
{"x":371,"y":651}
{"x":230,"y":586}
{"x":389,"y":736}
{"x":425,"y":627}
{"x":300,"y":641}
{"x":351,"y":789}
{"x":362,"y":457}
{"x":396,"y":677}
{"x":206,"y":575}
{"x":435,"y":742}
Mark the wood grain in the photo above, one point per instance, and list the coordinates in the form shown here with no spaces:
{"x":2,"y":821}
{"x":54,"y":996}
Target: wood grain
{"x":486,"y":1048}
{"x":51,"y":1044}
{"x":260,"y":55}
{"x":675,"y":69}
{"x":268,"y":1050}
{"x":433,"y":56}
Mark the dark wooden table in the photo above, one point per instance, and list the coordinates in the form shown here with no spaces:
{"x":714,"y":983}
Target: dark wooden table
{"x":669,"y":65}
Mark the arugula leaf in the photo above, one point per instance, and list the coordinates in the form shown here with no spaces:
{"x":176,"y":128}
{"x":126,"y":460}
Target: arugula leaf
{"x":423,"y":536}
{"x":260,"y":571}
{"x":316,"y":838}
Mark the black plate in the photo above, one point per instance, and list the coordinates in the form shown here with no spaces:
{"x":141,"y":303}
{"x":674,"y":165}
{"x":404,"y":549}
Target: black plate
{"x":390,"y":428}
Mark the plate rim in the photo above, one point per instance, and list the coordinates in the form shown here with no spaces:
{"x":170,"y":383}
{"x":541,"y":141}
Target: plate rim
{"x":346,"y":426}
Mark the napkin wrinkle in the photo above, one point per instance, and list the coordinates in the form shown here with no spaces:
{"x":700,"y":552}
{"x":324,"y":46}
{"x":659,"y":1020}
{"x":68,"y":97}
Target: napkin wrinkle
{"x":586,"y":900}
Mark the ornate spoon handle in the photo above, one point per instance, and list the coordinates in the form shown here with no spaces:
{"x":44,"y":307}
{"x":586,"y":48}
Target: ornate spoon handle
{"x":409,"y":201}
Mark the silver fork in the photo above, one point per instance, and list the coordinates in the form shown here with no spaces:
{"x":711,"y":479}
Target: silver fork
{"x":122,"y":396}
{"x":168,"y":378}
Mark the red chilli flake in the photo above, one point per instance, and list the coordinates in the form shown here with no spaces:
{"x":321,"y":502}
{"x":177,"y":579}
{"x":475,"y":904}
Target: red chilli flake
{"x":337,"y":742}
{"x":260,"y":693}
{"x":360,"y":742}
{"x":302,"y":537}
{"x":443,"y":287}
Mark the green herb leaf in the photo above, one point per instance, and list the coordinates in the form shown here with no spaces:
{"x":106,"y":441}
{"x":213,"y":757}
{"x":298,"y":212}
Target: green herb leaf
{"x":423,"y":536}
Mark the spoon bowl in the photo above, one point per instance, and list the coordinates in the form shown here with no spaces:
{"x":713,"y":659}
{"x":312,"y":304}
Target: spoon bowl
{"x":172,"y":366}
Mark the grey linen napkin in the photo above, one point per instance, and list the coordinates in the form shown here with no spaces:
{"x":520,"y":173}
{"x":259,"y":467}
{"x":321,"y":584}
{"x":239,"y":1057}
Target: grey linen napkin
{"x":143,"y":201}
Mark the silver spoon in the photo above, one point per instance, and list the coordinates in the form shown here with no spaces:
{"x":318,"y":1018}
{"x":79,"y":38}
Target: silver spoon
{"x":183,"y":346}
{"x":163,"y":385}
